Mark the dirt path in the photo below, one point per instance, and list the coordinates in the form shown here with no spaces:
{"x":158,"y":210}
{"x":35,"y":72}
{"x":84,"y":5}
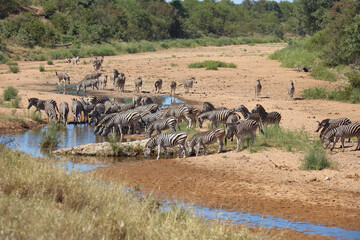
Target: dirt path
{"x":269,"y":182}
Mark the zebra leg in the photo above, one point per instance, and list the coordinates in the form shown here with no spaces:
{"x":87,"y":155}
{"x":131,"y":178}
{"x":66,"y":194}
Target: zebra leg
{"x":204,"y":146}
{"x":242,"y":142}
{"x":220,"y":141}
{"x":189,"y":120}
{"x":253,"y":137}
{"x":198,"y":148}
{"x":184,"y":148}
{"x":238,"y":143}
{"x":166,"y":156}
{"x":342,"y":143}
{"x":159,"y":151}
{"x":358,"y":143}
{"x":335,"y":141}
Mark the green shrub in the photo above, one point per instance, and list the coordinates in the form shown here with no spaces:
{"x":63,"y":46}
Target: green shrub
{"x":50,"y":138}
{"x":11,"y":63}
{"x":36,"y":116}
{"x":316,"y":158}
{"x":10,"y":93}
{"x":3,"y":58}
{"x":15,"y":103}
{"x":211,"y":65}
{"x":314,"y":93}
{"x":42,"y":68}
{"x":322,"y":72}
{"x":50,"y":62}
{"x":14,"y":69}
{"x":115,"y":146}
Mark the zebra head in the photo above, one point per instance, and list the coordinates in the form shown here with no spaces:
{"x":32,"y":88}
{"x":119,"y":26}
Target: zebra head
{"x":32,"y":102}
{"x":149,"y":147}
{"x":190,"y":146}
{"x":322,"y":124}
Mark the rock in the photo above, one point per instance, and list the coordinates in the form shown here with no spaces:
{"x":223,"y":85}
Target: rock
{"x":327,"y":178}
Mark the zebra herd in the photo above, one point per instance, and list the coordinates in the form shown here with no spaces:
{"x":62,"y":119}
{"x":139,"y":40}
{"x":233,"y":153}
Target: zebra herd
{"x":110,"y":116}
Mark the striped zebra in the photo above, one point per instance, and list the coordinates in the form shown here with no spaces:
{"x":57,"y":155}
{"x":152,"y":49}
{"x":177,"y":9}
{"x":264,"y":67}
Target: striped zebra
{"x":76,"y":108}
{"x":207,"y":106}
{"x":179,"y":111}
{"x":342,"y":132}
{"x":257,"y":88}
{"x":241,"y":129}
{"x":50,"y":111}
{"x":149,"y":118}
{"x":149,"y":107}
{"x":93,"y":83}
{"x":161,"y":124}
{"x":215,"y":117}
{"x":64,"y":111}
{"x":165,"y":140}
{"x":329,"y":124}
{"x":248,"y":115}
{"x":266,"y":118}
{"x":205,"y":138}
{"x":118,"y":120}
{"x":173,"y":88}
{"x":87,"y":108}
{"x":96,"y":99}
{"x":291,"y":90}
{"x":158,"y":85}
{"x":40,"y":104}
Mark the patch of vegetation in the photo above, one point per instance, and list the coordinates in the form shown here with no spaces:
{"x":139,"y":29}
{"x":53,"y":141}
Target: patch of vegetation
{"x":10,"y":93}
{"x":211,"y":65}
{"x":85,"y":62}
{"x":36,"y":116}
{"x":174,"y":64}
{"x":350,"y":93}
{"x":14,"y":69}
{"x":11,"y":63}
{"x":50,"y":62}
{"x":115,"y":146}
{"x":69,"y":205}
{"x":3,"y":58}
{"x":42,"y":68}
{"x":316,"y":158}
{"x":12,"y":118}
{"x":50,"y":138}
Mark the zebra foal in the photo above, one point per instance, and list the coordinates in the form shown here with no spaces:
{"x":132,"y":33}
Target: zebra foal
{"x":165,"y":140}
{"x":206,"y":138}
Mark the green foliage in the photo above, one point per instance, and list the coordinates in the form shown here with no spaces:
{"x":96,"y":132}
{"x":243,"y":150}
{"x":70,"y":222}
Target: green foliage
{"x":315,"y":158}
{"x":50,"y":62}
{"x":211,"y":65}
{"x":14,"y":69}
{"x":50,"y":138}
{"x":11,"y":63}
{"x":36,"y":116}
{"x":115,"y":146}
{"x":42,"y":68}
{"x":314,"y":93}
{"x":3,"y":58}
{"x":322,"y":72}
{"x":10,"y":93}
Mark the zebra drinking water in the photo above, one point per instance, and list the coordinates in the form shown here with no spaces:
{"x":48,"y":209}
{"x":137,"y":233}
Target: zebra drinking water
{"x":206,"y":138}
{"x":93,"y":83}
{"x":64,"y":111}
{"x":165,"y":140}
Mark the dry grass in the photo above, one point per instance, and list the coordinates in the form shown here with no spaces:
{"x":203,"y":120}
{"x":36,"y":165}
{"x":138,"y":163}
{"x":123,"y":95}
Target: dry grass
{"x":38,"y":200}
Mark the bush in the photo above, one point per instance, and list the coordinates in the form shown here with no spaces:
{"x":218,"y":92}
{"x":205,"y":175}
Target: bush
{"x":36,"y":116}
{"x":314,"y":93}
{"x":15,"y":103}
{"x":14,"y":69}
{"x":41,"y":69}
{"x":3,"y":58}
{"x":50,"y":138}
{"x":115,"y":146}
{"x":322,"y":72}
{"x":316,"y":158}
{"x":10,"y":93}
{"x":50,"y":62}
{"x":211,"y":65}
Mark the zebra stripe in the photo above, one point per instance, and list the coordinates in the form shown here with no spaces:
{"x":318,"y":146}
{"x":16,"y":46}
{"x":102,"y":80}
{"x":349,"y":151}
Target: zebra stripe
{"x":266,"y":118}
{"x":50,"y":111}
{"x":205,"y":138}
{"x":165,"y":140}
{"x":40,"y":104}
{"x":119,"y":120}
{"x":179,"y":111}
{"x":329,"y":124}
{"x":215,"y":116}
{"x":342,"y":132}
{"x":161,"y":124}
{"x":248,"y":115}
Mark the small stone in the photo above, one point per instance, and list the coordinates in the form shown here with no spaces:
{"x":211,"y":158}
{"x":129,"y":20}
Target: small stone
{"x":327,"y":178}
{"x":313,"y":179}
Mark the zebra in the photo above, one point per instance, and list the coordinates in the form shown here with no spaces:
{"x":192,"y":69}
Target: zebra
{"x":149,"y":118}
{"x":146,"y":101}
{"x":119,"y":82}
{"x":76,"y":108}
{"x":130,"y":118}
{"x":64,"y":111}
{"x":205,"y":138}
{"x":241,"y":129}
{"x":149,"y":107}
{"x":92,"y":76}
{"x":103,"y":81}
{"x":207,"y":106}
{"x":342,"y":132}
{"x":165,"y":140}
{"x":40,"y":104}
{"x":87,"y":108}
{"x":188,"y":84}
{"x":161,"y":124}
{"x":62,"y":77}
{"x":173,"y":88}
{"x":248,"y":115}
{"x":215,"y":116}
{"x":75,"y":61}
{"x":257,"y":88}
{"x":138,"y":84}
{"x":87,"y":83}
{"x":266,"y":118}
{"x":291,"y":90}
{"x":113,"y":75}
{"x":328,"y":124}
{"x":50,"y":111}
{"x":96,"y":99}
{"x":158,"y":85}
{"x":179,"y":111}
